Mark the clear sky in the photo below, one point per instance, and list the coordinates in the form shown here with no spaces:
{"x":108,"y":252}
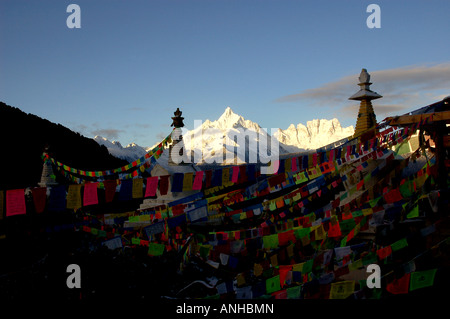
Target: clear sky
{"x":132,"y":63}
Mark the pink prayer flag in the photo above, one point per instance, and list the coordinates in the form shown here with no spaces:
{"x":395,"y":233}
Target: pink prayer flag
{"x":235,"y":176}
{"x":90,"y":194}
{"x":15,"y":202}
{"x":152,"y":186}
{"x":198,"y":181}
{"x":294,"y":164}
{"x":331,"y":156}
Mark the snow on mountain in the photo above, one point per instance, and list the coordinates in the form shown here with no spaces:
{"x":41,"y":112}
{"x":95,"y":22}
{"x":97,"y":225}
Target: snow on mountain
{"x":315,"y":134}
{"x":231,"y":135}
{"x":219,"y":141}
{"x":129,"y":153}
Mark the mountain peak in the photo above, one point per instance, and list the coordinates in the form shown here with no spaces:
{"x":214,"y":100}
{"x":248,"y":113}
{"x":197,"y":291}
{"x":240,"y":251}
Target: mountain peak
{"x":229,"y":119}
{"x":228,"y":114}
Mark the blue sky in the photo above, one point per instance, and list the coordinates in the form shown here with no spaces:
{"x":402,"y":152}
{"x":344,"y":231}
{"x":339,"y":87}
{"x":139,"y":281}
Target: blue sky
{"x":132,"y":63}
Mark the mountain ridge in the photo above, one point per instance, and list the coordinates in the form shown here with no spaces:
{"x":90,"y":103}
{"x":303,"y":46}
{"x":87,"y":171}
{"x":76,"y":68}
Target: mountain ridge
{"x":226,"y":131}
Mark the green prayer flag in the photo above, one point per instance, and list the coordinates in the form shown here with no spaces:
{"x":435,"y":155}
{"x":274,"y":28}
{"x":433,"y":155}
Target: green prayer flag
{"x":422,"y":279}
{"x":204,"y":250}
{"x":407,"y":189}
{"x":344,"y":241}
{"x":271,"y":241}
{"x":370,"y":258}
{"x":357,"y":213}
{"x":402,"y":243}
{"x":155,"y":249}
{"x":308,"y":266}
{"x":273,"y":284}
{"x":302,"y":232}
{"x":293,"y":292}
{"x":347,"y":225}
{"x":414,"y":212}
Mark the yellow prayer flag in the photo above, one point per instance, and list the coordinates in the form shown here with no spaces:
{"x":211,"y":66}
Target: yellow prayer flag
{"x":257,"y":270}
{"x":188,"y":181}
{"x":274,"y":260}
{"x":240,"y":278}
{"x":74,"y":197}
{"x":320,"y":232}
{"x":342,"y":289}
{"x":138,"y":187}
{"x":298,"y":267}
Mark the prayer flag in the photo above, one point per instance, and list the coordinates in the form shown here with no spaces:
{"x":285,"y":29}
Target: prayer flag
{"x":270,"y":241}
{"x":155,"y":249}
{"x":422,"y":279}
{"x":293,"y":292}
{"x":187,"y":181}
{"x":235,"y":176}
{"x":414,"y":212}
{"x":152,"y":186}
{"x":399,"y":286}
{"x":384,"y":252}
{"x":90,"y":194}
{"x":294,"y":164}
{"x":110,"y":190}
{"x":273,"y":284}
{"x":198,"y":181}
{"x":57,"y":199}
{"x":15,"y":202}
{"x":138,"y":188}
{"x":164,"y":184}
{"x":39,"y":198}
{"x":402,"y":243}
{"x":74,"y":197}
{"x":177,"y":182}
{"x":342,"y":289}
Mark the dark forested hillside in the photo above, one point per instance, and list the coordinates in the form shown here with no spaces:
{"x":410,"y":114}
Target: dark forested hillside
{"x":23,"y":138}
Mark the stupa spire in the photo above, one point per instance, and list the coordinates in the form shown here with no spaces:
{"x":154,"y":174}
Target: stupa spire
{"x":366,"y":115}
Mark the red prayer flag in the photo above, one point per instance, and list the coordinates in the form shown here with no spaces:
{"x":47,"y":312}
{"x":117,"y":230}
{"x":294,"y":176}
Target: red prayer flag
{"x":39,"y":198}
{"x":399,"y":286}
{"x":283,"y":271}
{"x":235,"y":176}
{"x":393,"y":196}
{"x":198,"y":181}
{"x":164,"y":184}
{"x":110,"y":190}
{"x":285,"y":237}
{"x":334,"y":230}
{"x":90,"y":196}
{"x":384,"y":252}
{"x":294,"y":164}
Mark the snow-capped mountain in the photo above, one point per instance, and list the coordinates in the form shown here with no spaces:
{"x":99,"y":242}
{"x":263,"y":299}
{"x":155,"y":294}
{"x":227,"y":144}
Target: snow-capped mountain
{"x":231,"y":135}
{"x":129,"y":153}
{"x":316,"y":134}
{"x":219,"y":141}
